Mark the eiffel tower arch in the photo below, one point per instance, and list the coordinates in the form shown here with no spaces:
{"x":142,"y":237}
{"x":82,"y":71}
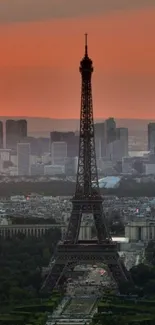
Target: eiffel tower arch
{"x":87,"y":199}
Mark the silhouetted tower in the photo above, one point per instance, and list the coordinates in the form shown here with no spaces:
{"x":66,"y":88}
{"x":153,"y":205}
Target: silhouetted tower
{"x":87,"y":199}
{"x":1,"y":134}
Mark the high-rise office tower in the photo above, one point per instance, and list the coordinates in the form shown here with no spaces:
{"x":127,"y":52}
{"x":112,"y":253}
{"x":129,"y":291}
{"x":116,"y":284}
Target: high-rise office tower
{"x":1,"y":134}
{"x":118,"y":148}
{"x":105,"y":134}
{"x":22,"y":128}
{"x":16,"y":131}
{"x":122,"y":137}
{"x":10,"y":133}
{"x":151,"y":137}
{"x":58,"y":153}
{"x":23,"y":159}
{"x":98,"y":143}
{"x":99,"y":129}
{"x":38,"y":145}
{"x":109,"y":137}
{"x":70,"y":138}
{"x":110,"y":130}
{"x":100,"y":139}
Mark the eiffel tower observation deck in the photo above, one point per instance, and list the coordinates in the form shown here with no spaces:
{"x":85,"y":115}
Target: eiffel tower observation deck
{"x":86,"y":200}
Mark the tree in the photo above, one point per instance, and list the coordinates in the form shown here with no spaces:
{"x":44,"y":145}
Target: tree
{"x":127,"y":288}
{"x":17,"y":293}
{"x":149,"y":288}
{"x":21,"y":262}
{"x":150,"y":252}
{"x":103,"y":319}
{"x":46,"y":254}
{"x":141,"y":274}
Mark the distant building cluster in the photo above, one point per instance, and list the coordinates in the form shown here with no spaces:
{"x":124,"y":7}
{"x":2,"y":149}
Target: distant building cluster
{"x":24,"y":155}
{"x":136,"y":213}
{"x":111,"y":145}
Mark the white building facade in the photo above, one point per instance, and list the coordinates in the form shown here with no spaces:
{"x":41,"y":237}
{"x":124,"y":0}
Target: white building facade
{"x":140,"y":230}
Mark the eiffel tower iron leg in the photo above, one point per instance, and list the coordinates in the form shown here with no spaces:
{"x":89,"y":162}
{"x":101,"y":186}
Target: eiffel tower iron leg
{"x":118,"y":270}
{"x":54,"y":276}
{"x":74,"y":223}
{"x":100,"y":223}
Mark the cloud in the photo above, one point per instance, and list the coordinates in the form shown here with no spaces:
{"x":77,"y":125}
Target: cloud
{"x":40,"y":10}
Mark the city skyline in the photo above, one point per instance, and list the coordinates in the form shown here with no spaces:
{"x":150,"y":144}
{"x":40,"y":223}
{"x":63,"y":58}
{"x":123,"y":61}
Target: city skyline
{"x":41,"y":50}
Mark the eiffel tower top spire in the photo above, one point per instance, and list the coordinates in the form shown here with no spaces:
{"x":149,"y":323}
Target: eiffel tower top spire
{"x":86,"y":46}
{"x":86,"y":64}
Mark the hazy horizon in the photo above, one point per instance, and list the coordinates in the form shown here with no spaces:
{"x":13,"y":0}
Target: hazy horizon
{"x":40,"y":126}
{"x":76,"y":118}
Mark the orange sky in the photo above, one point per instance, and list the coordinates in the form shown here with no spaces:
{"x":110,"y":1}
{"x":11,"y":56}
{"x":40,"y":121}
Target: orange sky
{"x":39,"y":64}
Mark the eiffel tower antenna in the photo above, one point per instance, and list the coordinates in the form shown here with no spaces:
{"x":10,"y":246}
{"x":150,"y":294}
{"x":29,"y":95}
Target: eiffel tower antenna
{"x":86,"y":45}
{"x":86,"y":200}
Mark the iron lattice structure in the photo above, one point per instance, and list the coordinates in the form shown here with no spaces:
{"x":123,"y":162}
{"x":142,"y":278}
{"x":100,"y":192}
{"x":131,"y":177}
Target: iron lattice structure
{"x":87,"y":199}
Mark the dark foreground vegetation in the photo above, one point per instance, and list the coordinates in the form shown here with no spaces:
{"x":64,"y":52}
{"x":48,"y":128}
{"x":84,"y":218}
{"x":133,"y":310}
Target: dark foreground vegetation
{"x":128,"y":188}
{"x":115,"y":310}
{"x":34,"y":312}
{"x":135,"y":305}
{"x":21,"y":262}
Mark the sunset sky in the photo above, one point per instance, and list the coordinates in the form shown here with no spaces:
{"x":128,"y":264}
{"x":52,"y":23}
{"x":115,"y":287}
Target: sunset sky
{"x":42,"y":43}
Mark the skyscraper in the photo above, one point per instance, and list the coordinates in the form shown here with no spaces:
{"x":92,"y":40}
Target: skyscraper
{"x":122,"y":136}
{"x":100,"y":139}
{"x":16,"y":131}
{"x":58,"y":153}
{"x":23,"y":159}
{"x":70,"y":138}
{"x":109,"y":137}
{"x":22,"y":128}
{"x":10,"y":133}
{"x":110,"y":130}
{"x":1,"y":134}
{"x":151,"y":137}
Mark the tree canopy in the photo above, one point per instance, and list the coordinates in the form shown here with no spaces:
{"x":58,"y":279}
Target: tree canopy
{"x":21,"y":262}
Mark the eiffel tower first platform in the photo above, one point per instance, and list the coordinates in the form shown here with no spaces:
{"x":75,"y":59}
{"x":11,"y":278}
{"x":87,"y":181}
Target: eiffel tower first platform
{"x":87,"y":199}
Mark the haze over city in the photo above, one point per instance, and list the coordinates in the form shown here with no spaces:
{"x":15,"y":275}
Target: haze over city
{"x":42,"y":41}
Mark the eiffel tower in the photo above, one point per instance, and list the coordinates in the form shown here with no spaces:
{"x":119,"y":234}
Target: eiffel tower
{"x":87,"y":199}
